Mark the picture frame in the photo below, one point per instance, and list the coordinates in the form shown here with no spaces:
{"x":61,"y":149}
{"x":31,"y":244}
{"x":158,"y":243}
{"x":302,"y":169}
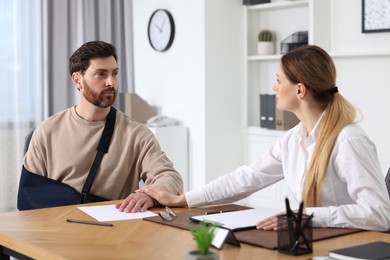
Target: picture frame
{"x":375,"y":16}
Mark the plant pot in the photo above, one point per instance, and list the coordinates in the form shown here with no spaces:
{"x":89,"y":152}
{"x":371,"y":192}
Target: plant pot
{"x":265,"y":48}
{"x":194,"y":255}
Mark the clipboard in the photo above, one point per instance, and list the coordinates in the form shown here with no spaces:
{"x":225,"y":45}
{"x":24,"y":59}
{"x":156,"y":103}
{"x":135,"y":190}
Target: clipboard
{"x":236,"y":220}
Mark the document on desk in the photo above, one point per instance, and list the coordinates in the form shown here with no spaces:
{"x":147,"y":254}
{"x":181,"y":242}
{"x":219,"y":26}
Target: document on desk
{"x":110,"y":213}
{"x":237,"y":220}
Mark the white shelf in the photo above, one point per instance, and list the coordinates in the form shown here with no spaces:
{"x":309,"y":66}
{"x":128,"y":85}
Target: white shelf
{"x":333,"y":54}
{"x":264,"y":57}
{"x":278,"y":5}
{"x":283,"y":18}
{"x":256,"y":130}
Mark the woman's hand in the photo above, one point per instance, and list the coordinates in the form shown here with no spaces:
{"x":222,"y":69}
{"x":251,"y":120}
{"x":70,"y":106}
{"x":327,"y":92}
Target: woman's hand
{"x":270,"y":223}
{"x":163,"y":197}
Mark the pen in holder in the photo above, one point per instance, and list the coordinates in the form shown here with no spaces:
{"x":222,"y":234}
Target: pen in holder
{"x":295,"y":232}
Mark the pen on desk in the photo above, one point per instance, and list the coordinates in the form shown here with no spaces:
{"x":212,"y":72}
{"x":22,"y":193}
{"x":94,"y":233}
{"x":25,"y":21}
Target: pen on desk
{"x":217,"y":212}
{"x":89,"y":222}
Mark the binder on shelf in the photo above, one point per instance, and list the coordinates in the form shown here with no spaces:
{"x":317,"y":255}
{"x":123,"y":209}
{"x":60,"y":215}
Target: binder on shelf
{"x":267,"y":111}
{"x":271,"y":111}
{"x":263,"y":110}
{"x":273,"y":118}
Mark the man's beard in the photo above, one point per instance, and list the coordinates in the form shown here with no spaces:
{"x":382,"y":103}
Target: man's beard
{"x":98,"y":98}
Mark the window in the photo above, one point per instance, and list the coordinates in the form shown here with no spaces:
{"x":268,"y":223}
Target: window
{"x":20,"y":60}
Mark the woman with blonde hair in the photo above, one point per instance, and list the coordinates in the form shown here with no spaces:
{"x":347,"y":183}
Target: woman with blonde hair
{"x":327,"y":160}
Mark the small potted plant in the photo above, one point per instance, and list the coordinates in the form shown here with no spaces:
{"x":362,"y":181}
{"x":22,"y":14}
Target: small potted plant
{"x":266,"y":42}
{"x":203,"y":235}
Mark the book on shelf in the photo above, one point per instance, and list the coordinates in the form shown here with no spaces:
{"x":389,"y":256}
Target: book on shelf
{"x":378,"y":250}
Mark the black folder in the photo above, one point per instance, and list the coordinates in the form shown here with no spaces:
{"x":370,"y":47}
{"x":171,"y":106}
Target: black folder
{"x":272,"y":118}
{"x":263,"y":110}
{"x":267,"y":111}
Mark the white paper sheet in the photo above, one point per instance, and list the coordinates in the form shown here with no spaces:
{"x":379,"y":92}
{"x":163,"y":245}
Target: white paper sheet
{"x":110,"y":213}
{"x":238,"y":219}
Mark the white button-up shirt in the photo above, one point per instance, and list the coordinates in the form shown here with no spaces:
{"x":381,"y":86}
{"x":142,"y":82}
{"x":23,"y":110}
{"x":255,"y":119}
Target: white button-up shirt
{"x":353,"y":191}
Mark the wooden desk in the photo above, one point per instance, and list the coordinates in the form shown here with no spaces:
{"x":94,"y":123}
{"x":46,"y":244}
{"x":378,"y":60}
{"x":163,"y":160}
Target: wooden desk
{"x":45,"y":234}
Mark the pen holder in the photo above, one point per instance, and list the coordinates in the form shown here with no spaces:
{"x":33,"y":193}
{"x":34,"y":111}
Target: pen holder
{"x":295,"y":235}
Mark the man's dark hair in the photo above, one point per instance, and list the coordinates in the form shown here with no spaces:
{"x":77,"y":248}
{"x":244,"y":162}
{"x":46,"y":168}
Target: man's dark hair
{"x":81,"y":58}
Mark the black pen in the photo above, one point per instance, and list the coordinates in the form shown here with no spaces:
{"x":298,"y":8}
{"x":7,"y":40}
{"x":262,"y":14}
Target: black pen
{"x":217,"y":212}
{"x":298,"y":221}
{"x":298,"y":228}
{"x":290,"y":220}
{"x":89,"y":222}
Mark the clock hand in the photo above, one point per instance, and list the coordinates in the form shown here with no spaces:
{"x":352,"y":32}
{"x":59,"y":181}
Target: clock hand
{"x":160,"y":30}
{"x":162,"y":25}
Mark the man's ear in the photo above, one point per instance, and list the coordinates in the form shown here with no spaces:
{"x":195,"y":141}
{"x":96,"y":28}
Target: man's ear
{"x":301,"y":90}
{"x":76,"y":78}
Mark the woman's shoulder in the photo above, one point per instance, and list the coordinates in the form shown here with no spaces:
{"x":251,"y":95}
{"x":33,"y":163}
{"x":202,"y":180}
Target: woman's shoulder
{"x":354,"y":134}
{"x":352,"y":131}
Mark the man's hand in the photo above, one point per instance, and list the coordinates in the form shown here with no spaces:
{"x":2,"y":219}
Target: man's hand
{"x":135,"y":202}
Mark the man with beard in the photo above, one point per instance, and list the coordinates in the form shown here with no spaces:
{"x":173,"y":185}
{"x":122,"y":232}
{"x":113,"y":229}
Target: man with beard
{"x":63,"y":146}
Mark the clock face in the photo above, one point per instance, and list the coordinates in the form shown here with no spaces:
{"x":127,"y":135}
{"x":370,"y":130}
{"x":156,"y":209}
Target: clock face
{"x":161,"y":30}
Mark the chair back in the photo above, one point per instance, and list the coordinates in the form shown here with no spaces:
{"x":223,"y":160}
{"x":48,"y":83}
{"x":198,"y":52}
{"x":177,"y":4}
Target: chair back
{"x":387,"y":180}
{"x":27,"y":140}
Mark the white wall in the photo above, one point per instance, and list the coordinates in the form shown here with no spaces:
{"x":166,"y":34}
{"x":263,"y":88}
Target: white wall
{"x":346,"y":29}
{"x":174,"y":80}
{"x":197,"y":80}
{"x":224,"y":92}
{"x":364,"y":79}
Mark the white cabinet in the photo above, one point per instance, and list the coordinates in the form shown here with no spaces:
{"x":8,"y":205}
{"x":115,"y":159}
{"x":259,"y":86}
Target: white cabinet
{"x":259,"y":141}
{"x":283,"y":19}
{"x":174,"y":142}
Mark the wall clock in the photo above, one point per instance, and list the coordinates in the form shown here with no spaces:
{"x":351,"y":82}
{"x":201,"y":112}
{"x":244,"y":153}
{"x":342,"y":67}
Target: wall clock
{"x":161,"y":30}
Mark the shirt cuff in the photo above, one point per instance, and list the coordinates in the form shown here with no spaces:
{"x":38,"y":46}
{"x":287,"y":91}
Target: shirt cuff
{"x":321,"y":216}
{"x":195,"y":198}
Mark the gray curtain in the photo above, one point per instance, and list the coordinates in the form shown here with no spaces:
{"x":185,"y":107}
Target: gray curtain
{"x":68,"y":24}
